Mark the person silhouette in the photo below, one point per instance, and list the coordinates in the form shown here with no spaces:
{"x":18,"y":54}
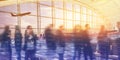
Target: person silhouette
{"x":30,"y":43}
{"x":6,"y":41}
{"x":88,"y":51}
{"x":18,"y":41}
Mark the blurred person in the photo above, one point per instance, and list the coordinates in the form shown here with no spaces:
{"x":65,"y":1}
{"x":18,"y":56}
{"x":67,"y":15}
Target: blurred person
{"x":18,"y":41}
{"x":103,"y":43}
{"x":50,"y":38}
{"x":6,"y":41}
{"x":78,"y":42}
{"x":118,"y":39}
{"x":30,"y":43}
{"x":60,"y":42}
{"x":87,"y":48}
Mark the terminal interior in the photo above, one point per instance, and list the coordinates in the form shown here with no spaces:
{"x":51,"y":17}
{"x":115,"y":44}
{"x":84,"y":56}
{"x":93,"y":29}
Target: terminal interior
{"x":69,"y":13}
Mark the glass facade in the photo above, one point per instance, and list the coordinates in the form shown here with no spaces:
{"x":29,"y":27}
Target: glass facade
{"x":51,"y":12}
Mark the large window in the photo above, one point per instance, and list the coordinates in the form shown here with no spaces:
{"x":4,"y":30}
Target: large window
{"x":77,"y":16}
{"x":29,"y":20}
{"x":29,"y":7}
{"x":69,"y":15}
{"x":59,"y":13}
{"x":45,"y":22}
{"x":58,"y":4}
{"x":59,"y":23}
{"x":45,"y":11}
{"x":69,"y":6}
{"x":50,"y":12}
{"x":77,"y":8}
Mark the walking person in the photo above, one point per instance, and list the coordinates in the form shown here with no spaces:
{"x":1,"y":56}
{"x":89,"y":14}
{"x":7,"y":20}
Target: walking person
{"x":50,"y":39}
{"x":78,"y":42}
{"x":118,"y":40}
{"x":103,"y":43}
{"x":88,"y":51}
{"x":18,"y":41}
{"x":6,"y":41}
{"x":30,"y":43}
{"x":60,"y":42}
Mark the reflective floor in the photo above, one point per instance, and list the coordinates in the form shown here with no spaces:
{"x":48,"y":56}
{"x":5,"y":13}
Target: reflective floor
{"x":43,"y":55}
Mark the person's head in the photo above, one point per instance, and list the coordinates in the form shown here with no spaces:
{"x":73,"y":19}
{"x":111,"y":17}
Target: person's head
{"x":77,"y":27}
{"x":29,"y":29}
{"x":61,"y":27}
{"x":118,"y":25}
{"x":51,"y":26}
{"x":102,"y":28}
{"x":6,"y":28}
{"x":87,"y":26}
{"x":17,"y":28}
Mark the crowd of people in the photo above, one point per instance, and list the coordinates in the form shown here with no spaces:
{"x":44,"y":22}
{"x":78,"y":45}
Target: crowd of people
{"x":56,"y":42}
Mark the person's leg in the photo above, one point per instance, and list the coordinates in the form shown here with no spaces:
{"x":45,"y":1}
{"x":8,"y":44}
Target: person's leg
{"x":107,"y":55}
{"x":74,"y":57}
{"x":26,"y":55}
{"x":79,"y":54}
{"x":91,"y":53}
{"x":19,"y":55}
{"x":18,"y":51}
{"x":118,"y":56}
{"x":85,"y":53}
{"x":75,"y":52}
{"x":61,"y":56}
{"x":32,"y":56}
{"x":10,"y":52}
{"x":10,"y":55}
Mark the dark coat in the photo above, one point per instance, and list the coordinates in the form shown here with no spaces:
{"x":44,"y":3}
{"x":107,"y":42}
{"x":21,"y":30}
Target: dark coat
{"x":28,"y":40}
{"x":18,"y":41}
{"x":50,"y":39}
{"x":103,"y":43}
{"x":60,"y":38}
{"x":6,"y":40}
{"x":86,"y":38}
{"x":78,"y":41}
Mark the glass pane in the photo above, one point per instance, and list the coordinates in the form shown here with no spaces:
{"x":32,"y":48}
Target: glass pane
{"x":77,"y":22}
{"x":77,"y":16}
{"x":42,"y":31}
{"x":69,"y":24}
{"x":84,"y":10}
{"x":10,"y":9}
{"x":58,"y":13}
{"x":90,"y":19}
{"x":69,"y":6}
{"x":58,"y":4}
{"x":83,"y":24}
{"x":69,"y":15}
{"x":58,"y":23}
{"x":29,"y":7}
{"x":29,"y":20}
{"x":46,"y":11}
{"x":45,"y":22}
{"x":94,"y":14}
{"x":94,"y":18}
{"x":1,"y":30}
{"x":77,"y":8}
{"x":7,"y":19}
{"x":46,"y":2}
{"x":90,"y":12}
{"x":84,"y":17}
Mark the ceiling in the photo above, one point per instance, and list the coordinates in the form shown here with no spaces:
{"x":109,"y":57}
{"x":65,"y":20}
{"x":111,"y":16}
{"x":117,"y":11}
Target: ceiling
{"x":109,"y":8}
